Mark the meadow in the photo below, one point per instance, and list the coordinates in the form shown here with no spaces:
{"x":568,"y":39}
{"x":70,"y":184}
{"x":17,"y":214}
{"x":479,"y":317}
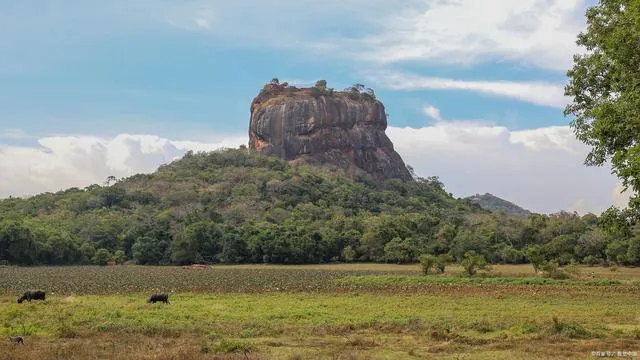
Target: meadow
{"x":342,"y":311}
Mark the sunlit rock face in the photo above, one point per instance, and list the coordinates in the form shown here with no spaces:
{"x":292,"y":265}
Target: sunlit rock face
{"x":316,"y":127}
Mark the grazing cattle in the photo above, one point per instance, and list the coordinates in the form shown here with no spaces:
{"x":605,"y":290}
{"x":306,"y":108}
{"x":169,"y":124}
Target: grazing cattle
{"x":159,"y":297}
{"x":31,"y":295}
{"x":16,"y":340}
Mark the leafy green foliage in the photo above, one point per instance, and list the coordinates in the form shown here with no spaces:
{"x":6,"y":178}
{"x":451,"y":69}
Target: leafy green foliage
{"x":101,"y":257}
{"x":430,"y":263}
{"x":472,"y":262}
{"x":235,"y":206}
{"x":603,"y":86}
{"x":552,"y":270}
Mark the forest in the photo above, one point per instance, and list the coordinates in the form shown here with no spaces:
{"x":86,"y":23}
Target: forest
{"x":236,"y":206}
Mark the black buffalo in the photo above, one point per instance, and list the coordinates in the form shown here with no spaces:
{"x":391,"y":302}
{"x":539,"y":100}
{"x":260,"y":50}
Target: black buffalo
{"x":159,"y":297}
{"x":17,"y":340}
{"x":31,"y":295}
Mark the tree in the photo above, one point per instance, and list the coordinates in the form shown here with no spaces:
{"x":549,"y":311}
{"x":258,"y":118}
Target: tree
{"x":119,"y":257}
{"x":442,"y":261}
{"x":196,"y":242}
{"x":275,"y":81}
{"x":321,"y":85}
{"x":148,"y":250}
{"x":110,"y":179}
{"x":88,"y":251}
{"x":430,"y":262}
{"x":17,"y":243}
{"x":472,"y":262}
{"x":633,"y":251}
{"x":348,"y":253}
{"x":113,"y":195}
{"x":535,"y":256}
{"x":615,"y":222}
{"x":603,"y":87}
{"x":234,"y":248}
{"x":400,"y":251}
{"x":102,"y":257}
{"x":427,"y":263}
{"x":616,"y":251}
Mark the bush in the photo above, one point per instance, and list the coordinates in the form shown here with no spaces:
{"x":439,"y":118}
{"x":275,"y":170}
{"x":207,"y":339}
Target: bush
{"x":349,"y":254}
{"x":232,"y":347}
{"x":442,"y":261}
{"x":570,"y":330}
{"x":430,"y":262}
{"x":119,"y":257}
{"x":552,"y":270}
{"x":102,"y":257}
{"x":590,"y":260}
{"x":472,"y":262}
{"x":427,"y":263}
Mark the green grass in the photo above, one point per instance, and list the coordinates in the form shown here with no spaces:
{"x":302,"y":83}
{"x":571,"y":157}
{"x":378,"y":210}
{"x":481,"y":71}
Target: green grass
{"x":399,"y":280}
{"x":343,"y":314}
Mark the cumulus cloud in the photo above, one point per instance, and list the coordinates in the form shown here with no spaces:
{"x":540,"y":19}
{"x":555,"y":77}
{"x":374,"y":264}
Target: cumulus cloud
{"x":77,"y":161}
{"x":538,"y":33}
{"x":433,"y":112}
{"x":538,"y":93}
{"x":539,"y":169}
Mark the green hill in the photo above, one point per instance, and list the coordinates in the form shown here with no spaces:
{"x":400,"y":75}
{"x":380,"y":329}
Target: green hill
{"x":236,"y":206}
{"x":496,"y":204}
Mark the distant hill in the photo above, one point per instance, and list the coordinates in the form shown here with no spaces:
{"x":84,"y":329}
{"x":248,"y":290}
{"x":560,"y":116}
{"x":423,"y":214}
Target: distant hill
{"x":495,"y":204}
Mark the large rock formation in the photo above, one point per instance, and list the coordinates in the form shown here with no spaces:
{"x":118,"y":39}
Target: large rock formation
{"x":319,"y":126}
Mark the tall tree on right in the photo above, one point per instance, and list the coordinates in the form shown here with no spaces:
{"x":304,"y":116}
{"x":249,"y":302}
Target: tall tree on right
{"x":604,"y":88}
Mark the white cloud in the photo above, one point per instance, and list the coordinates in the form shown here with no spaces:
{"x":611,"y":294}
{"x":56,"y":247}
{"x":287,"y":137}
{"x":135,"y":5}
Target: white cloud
{"x":433,"y":112}
{"x":539,"y":33}
{"x":61,"y":162}
{"x":539,"y":93}
{"x":620,"y":196}
{"x":539,"y":169}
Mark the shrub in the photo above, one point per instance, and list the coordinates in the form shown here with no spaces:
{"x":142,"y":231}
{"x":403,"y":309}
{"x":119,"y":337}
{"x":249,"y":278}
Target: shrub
{"x":349,"y":254}
{"x":552,"y":270}
{"x":442,"y":261}
{"x":119,"y":257}
{"x":472,"y":262}
{"x":427,"y":263}
{"x":232,"y":347}
{"x":590,"y":260}
{"x":102,"y":257}
{"x":570,"y":330}
{"x":430,"y":263}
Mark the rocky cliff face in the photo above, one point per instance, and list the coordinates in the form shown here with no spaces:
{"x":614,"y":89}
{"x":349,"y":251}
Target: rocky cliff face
{"x":319,"y":126}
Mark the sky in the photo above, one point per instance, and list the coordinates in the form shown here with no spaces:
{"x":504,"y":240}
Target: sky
{"x":474,"y":89}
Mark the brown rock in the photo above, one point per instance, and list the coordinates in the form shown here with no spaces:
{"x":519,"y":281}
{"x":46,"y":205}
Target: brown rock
{"x":320,"y":127}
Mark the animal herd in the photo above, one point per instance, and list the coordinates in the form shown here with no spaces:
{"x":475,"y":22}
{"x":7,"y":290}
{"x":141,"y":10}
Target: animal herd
{"x":40,"y":295}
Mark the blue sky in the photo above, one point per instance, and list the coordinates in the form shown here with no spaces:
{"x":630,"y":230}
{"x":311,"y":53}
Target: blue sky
{"x":104,"y":74}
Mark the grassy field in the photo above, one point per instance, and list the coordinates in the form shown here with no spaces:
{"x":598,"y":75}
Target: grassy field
{"x":363,"y":311}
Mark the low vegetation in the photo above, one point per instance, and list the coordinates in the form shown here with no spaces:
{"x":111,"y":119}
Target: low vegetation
{"x":356,"y":311}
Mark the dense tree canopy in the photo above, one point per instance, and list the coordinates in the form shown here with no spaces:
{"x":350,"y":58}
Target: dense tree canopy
{"x":604,"y":87}
{"x":234,"y":206}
